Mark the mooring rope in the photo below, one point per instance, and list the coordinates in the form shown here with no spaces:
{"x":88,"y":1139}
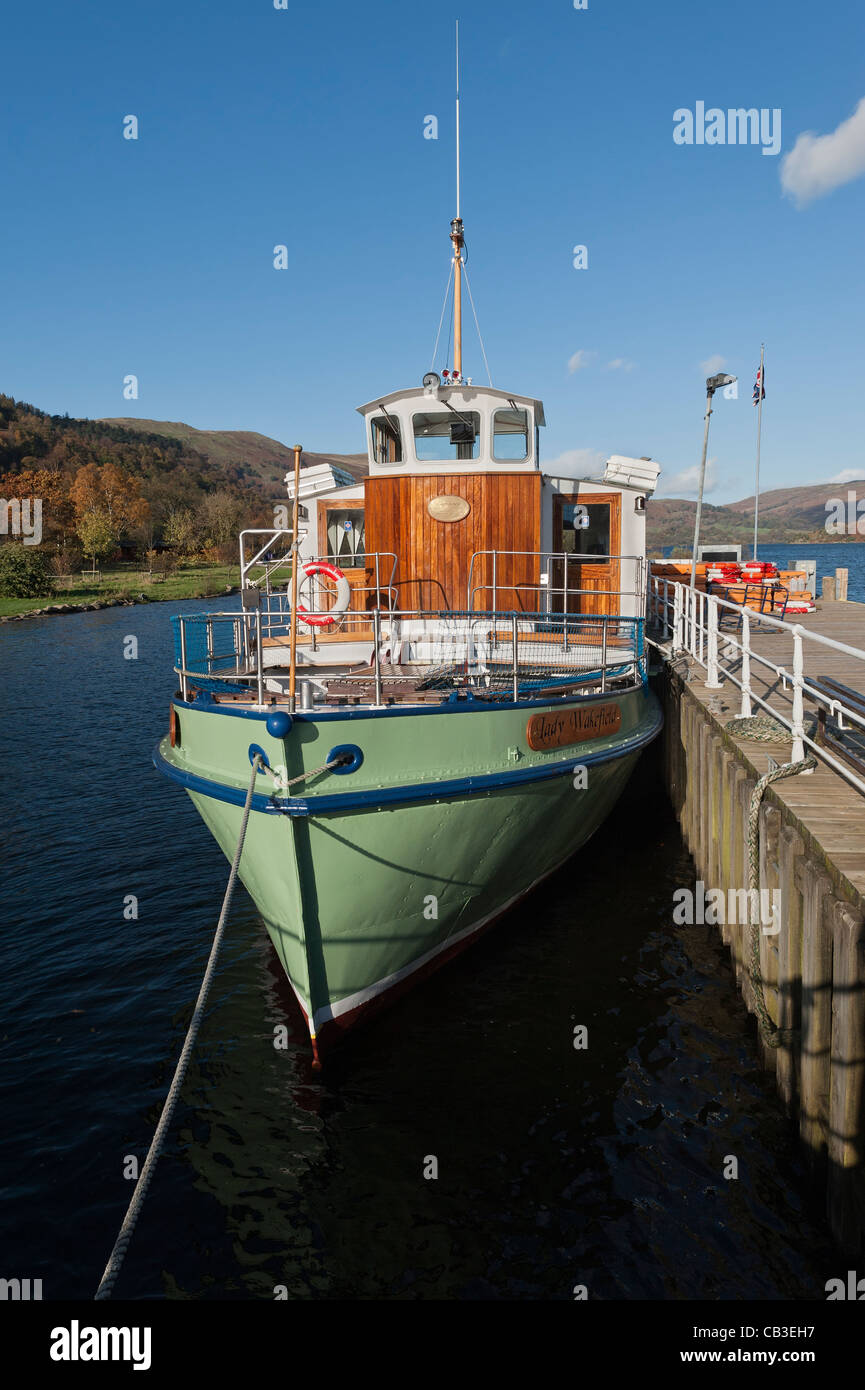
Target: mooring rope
{"x":112,"y":1269}
{"x":773,"y":1036}
{"x":282,"y":784}
{"x":759,"y":728}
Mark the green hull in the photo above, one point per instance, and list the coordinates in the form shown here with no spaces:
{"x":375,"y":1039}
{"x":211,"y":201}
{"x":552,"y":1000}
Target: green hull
{"x":361,"y":894}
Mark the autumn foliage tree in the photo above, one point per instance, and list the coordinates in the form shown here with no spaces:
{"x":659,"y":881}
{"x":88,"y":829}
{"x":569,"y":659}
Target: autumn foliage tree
{"x":58,"y":513}
{"x":108,"y":506}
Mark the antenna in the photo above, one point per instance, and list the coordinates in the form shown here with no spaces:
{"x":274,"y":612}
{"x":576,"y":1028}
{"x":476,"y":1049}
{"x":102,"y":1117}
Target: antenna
{"x":456,"y":235}
{"x":458,"y":117}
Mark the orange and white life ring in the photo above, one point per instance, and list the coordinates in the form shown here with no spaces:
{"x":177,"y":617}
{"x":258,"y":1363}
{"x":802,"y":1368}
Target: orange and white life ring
{"x":341,"y":602}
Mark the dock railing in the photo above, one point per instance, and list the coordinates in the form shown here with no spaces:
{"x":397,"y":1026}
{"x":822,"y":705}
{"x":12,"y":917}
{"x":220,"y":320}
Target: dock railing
{"x":691,"y":621}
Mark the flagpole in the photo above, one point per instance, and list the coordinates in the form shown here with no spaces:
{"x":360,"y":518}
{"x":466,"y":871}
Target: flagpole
{"x":760,"y":395}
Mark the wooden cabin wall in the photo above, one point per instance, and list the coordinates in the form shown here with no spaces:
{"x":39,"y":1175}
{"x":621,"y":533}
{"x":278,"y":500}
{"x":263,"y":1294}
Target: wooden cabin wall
{"x":434,"y":556}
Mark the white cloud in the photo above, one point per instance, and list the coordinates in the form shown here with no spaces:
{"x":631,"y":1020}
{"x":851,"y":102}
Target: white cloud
{"x":576,"y":463}
{"x":713,"y":364}
{"x":620,"y":364}
{"x":687,"y":482}
{"x":817,"y":164}
{"x":580,"y":359}
{"x":848,"y":475}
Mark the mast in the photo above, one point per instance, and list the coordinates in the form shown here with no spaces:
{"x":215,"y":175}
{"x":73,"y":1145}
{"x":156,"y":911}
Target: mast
{"x":456,"y":236}
{"x":759,"y":437}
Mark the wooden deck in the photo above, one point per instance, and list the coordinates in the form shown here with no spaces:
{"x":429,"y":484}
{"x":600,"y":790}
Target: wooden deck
{"x":829,"y":812}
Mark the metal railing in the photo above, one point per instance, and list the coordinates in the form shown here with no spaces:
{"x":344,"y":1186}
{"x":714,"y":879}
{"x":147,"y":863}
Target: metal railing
{"x":491,"y":653}
{"x":691,"y":620}
{"x":568,"y":565}
{"x":274,"y":602}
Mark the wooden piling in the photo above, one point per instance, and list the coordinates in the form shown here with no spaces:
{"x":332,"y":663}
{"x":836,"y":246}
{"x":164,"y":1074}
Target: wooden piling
{"x":788,"y":1067}
{"x":813,"y":969}
{"x":846,"y":1207}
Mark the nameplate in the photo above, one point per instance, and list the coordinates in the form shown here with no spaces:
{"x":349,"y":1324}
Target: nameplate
{"x":561,"y":727}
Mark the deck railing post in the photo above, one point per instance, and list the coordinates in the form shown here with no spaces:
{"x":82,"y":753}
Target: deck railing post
{"x":495,"y":604}
{"x":798,"y":703}
{"x":745,"y":712}
{"x":183,"y":657}
{"x":565,"y":595}
{"x":376,"y":625}
{"x":514,"y":641}
{"x":713,"y":680}
{"x":603,"y":655}
{"x":259,"y":660}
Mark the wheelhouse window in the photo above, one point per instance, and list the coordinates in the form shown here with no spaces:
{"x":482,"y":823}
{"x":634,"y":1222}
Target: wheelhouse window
{"x":442,"y":436}
{"x":345,"y":536}
{"x":386,"y":440}
{"x":510,"y":436}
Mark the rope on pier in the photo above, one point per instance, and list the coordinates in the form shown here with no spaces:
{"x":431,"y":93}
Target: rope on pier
{"x":773,"y":1036}
{"x":112,"y":1269}
{"x":760,"y":728}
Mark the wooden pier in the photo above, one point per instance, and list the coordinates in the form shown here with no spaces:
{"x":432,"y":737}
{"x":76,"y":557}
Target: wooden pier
{"x":812,"y":849}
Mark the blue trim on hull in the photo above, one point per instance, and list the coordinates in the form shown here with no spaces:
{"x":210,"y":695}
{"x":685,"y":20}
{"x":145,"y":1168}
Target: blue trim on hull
{"x":394,"y":796}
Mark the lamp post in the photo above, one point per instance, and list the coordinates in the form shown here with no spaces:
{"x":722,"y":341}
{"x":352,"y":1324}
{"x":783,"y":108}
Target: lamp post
{"x":713,"y":383}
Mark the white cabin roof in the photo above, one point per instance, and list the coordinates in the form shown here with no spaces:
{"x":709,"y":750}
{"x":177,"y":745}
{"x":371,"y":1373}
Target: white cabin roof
{"x":468,"y":396}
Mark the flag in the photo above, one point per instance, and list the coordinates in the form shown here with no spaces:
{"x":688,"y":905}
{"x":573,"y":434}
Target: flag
{"x":759,"y":386}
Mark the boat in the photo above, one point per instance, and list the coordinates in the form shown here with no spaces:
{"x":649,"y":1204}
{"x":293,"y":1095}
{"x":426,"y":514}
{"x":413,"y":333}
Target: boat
{"x":440,"y":670}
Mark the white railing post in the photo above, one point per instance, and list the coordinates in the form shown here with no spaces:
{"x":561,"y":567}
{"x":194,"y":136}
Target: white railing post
{"x":183,"y":658}
{"x":376,"y":632}
{"x":677,"y":642}
{"x":713,"y":681}
{"x":259,"y":660}
{"x":745,"y":712}
{"x":514,"y":640}
{"x":701,"y":626}
{"x":798,"y":703}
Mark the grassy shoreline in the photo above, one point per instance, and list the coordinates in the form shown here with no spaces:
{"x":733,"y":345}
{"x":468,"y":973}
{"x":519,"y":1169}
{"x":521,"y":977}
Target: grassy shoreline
{"x":123,"y":586}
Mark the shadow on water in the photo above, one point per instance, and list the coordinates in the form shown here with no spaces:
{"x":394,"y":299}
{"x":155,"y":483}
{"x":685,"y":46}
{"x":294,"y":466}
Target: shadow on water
{"x":556,"y":1166}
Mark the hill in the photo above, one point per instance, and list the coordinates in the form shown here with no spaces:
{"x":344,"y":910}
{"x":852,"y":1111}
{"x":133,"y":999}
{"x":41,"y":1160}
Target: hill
{"x":786,"y":514}
{"x":247,"y":456}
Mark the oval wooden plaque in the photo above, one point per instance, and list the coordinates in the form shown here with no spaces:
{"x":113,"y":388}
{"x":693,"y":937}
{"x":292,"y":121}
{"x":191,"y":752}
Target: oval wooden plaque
{"x":561,"y":727}
{"x":448,"y":508}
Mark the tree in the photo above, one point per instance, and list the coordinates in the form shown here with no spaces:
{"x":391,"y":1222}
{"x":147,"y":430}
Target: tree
{"x":52,"y":487}
{"x":96,"y":536}
{"x":181,"y":530}
{"x":23,"y":572}
{"x":219,"y":517}
{"x":111,"y":494}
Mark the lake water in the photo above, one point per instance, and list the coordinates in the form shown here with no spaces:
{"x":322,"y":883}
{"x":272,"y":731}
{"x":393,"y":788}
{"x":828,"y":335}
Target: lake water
{"x":556,"y":1167}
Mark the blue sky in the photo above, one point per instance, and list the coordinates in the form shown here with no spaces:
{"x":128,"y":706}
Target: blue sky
{"x":304,"y":127}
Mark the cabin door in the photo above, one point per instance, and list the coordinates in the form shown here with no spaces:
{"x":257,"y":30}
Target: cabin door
{"x":588,"y":583}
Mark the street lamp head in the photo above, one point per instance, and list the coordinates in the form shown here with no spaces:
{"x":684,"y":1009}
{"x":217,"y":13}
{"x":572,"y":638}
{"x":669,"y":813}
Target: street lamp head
{"x":714,"y":383}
